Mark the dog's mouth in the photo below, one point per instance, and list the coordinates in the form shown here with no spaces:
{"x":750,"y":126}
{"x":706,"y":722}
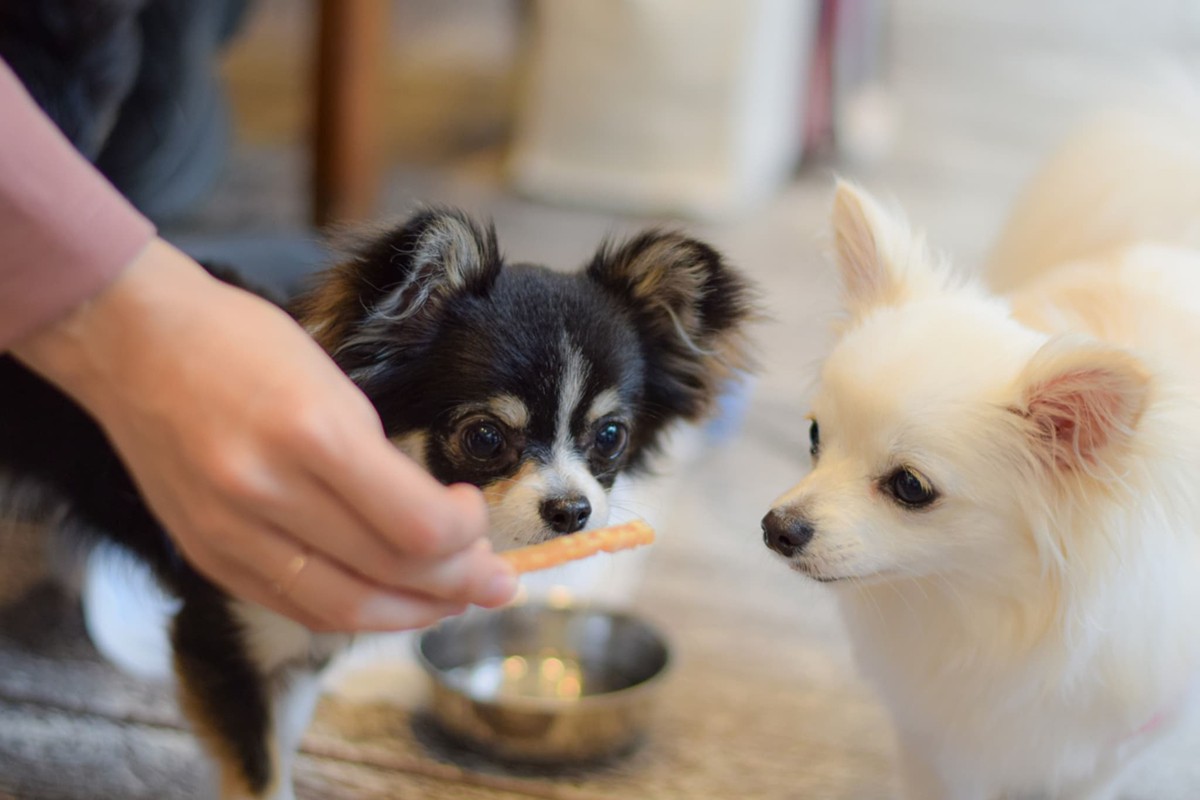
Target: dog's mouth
{"x":858,"y":579}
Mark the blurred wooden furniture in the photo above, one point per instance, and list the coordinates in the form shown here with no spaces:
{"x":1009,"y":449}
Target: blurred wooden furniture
{"x":350,"y":41}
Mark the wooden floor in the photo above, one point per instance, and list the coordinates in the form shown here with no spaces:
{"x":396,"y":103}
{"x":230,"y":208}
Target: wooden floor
{"x":763,"y":702}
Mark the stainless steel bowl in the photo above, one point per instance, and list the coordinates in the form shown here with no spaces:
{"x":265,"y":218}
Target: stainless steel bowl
{"x":543,"y":683}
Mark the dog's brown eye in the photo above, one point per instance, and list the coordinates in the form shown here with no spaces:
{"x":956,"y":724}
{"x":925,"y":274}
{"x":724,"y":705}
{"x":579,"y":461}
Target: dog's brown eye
{"x":814,"y":439}
{"x":611,"y":438}
{"x":482,"y":441}
{"x":910,"y":488}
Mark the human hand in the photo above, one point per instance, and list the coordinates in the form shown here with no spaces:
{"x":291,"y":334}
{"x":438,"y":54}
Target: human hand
{"x":264,"y":462}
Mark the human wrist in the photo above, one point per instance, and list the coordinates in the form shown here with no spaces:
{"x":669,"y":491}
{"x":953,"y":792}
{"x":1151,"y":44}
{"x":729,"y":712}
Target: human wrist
{"x":85,"y":352}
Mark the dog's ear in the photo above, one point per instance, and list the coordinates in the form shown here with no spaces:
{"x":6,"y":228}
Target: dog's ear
{"x":690,"y":309}
{"x":878,"y":257}
{"x":392,"y":282}
{"x":1082,"y":401}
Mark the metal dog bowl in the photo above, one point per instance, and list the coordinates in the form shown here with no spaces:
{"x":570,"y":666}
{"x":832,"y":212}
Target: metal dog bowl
{"x":541,"y":683}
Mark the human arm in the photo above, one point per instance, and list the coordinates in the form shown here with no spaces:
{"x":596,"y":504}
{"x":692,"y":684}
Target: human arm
{"x":243,"y":437}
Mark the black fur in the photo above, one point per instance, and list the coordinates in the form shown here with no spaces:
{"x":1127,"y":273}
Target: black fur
{"x":229,"y":693}
{"x":499,"y":330}
{"x":430,"y":322}
{"x":50,"y":445}
{"x":688,"y":308}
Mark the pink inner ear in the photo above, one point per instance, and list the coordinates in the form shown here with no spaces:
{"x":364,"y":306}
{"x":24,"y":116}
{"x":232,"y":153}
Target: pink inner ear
{"x":864,"y":276}
{"x":1080,"y":413}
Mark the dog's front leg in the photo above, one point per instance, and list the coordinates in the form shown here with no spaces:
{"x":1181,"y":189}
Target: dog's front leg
{"x":922,"y":779}
{"x":227,"y":696}
{"x":294,"y":695}
{"x":248,"y":682}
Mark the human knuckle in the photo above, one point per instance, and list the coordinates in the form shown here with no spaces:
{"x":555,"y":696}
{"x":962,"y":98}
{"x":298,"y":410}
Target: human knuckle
{"x":235,"y":475}
{"x":310,"y":429}
{"x":388,"y":568}
{"x":423,"y":539}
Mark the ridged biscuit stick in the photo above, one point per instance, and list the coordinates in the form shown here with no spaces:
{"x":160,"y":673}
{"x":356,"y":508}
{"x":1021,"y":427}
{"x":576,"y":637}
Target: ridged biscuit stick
{"x":579,"y":545}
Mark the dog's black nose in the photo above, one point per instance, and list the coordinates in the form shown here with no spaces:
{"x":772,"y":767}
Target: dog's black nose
{"x":566,"y":514}
{"x":785,"y":533}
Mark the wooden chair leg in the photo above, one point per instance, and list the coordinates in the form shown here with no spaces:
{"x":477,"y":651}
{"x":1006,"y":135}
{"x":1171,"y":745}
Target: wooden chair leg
{"x":350,"y":39}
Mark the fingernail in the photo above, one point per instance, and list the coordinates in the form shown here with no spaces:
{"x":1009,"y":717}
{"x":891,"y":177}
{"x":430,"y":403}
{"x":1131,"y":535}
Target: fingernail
{"x":383,"y":611}
{"x":500,"y":589}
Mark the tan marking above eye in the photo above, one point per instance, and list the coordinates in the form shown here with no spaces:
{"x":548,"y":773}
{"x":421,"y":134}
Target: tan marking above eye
{"x":604,"y":404}
{"x":510,"y":410}
{"x":414,"y":445}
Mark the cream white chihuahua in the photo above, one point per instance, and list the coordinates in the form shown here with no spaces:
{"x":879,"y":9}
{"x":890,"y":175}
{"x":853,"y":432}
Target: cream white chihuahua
{"x":1005,"y":490}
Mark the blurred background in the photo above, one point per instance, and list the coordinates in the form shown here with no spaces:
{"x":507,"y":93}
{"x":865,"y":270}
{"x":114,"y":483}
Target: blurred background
{"x":274,"y":118}
{"x":706,"y":110}
{"x":567,"y":121}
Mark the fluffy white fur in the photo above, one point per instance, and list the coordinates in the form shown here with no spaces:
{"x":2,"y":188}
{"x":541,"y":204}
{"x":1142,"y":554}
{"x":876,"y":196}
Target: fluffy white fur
{"x":1037,"y":627}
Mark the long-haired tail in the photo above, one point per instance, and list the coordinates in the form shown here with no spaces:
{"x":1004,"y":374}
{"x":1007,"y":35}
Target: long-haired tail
{"x":1127,"y":177}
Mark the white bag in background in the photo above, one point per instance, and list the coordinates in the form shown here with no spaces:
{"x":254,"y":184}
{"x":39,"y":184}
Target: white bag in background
{"x":689,"y":107}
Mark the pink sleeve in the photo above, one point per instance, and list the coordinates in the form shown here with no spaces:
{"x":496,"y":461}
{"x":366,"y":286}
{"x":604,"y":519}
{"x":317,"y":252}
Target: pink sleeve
{"x":65,"y":232}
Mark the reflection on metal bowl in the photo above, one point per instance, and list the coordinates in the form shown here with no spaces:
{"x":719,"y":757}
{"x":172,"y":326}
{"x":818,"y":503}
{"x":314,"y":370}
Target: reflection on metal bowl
{"x":544,"y":683}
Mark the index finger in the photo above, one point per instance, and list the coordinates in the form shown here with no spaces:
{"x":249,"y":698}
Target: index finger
{"x":404,"y":504}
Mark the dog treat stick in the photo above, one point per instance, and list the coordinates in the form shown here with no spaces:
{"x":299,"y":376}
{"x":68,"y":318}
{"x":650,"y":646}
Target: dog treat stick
{"x":579,"y":545}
